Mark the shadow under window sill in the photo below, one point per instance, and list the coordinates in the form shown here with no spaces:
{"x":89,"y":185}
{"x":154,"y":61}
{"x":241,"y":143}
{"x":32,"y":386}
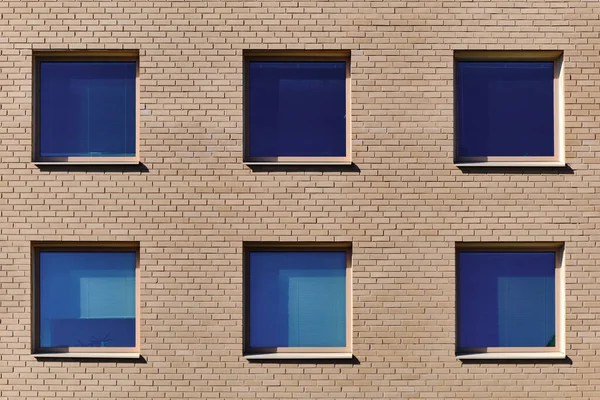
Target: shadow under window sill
{"x":126,"y":357}
{"x":302,"y":166}
{"x":117,"y":166}
{"x":550,"y":168}
{"x":513,"y":357}
{"x":302,"y":358}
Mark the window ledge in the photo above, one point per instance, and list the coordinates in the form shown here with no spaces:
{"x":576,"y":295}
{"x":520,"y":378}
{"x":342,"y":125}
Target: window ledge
{"x":99,"y":162}
{"x":551,"y":164}
{"x":87,"y":355}
{"x":274,"y":163}
{"x":513,"y":356}
{"x":298,"y":356}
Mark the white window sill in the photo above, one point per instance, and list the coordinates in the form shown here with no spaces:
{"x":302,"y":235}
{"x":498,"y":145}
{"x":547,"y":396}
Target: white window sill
{"x":298,"y":356}
{"x":513,"y":356}
{"x":88,"y":355}
{"x":543,"y":164}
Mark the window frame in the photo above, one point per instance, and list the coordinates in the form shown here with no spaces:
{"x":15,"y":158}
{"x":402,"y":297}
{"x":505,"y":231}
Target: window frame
{"x":295,"y":56}
{"x":295,"y":352}
{"x":558,"y":351}
{"x":82,"y":56}
{"x":556,"y":56}
{"x":100,"y":247}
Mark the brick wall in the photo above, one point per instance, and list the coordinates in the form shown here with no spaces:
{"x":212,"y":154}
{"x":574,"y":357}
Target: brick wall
{"x":403,"y":206}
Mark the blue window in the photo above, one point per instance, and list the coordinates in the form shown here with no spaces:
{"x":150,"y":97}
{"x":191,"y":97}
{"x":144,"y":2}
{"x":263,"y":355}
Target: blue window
{"x":86,"y":299}
{"x":506,"y":111}
{"x":297,"y":299}
{"x":507,"y":299}
{"x":86,"y":109}
{"x":296,"y":109}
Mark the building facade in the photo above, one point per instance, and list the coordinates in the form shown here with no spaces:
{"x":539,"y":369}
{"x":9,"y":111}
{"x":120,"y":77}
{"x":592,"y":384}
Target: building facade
{"x":197,"y":208}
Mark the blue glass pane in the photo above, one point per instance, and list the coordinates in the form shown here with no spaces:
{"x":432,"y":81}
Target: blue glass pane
{"x":297,"y":109}
{"x":506,"y":299}
{"x":87,"y":109}
{"x":87,"y":299}
{"x":297,"y":299}
{"x":505,"y":109}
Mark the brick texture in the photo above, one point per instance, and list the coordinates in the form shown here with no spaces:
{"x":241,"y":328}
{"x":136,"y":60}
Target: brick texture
{"x":403,"y":207}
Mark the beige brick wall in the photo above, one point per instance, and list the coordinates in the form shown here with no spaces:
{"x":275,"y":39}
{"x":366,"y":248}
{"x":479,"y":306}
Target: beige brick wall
{"x":403,"y":208}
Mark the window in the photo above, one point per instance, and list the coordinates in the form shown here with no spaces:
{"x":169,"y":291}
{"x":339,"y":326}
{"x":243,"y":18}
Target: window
{"x":87,"y":299}
{"x":297,"y":109}
{"x":509,"y":108}
{"x":85,"y":108}
{"x":298,"y":300}
{"x":510,"y":299}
